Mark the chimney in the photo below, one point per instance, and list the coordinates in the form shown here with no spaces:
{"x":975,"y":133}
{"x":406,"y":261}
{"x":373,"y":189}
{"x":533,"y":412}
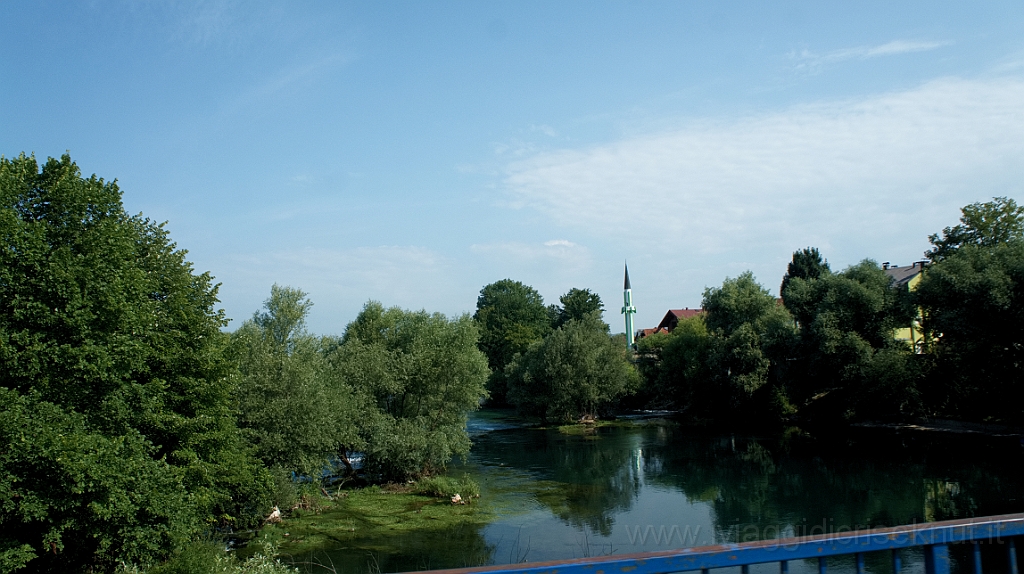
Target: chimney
{"x":885,"y":266}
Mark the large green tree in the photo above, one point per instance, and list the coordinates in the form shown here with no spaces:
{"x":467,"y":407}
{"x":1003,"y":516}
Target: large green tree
{"x":973,"y":302}
{"x":806,"y":264}
{"x":675,"y":365}
{"x":575,"y":305}
{"x":421,"y":373}
{"x":971,"y":298}
{"x":511,"y":316}
{"x":294,"y":406}
{"x":576,"y":370}
{"x":750,"y":334}
{"x":987,"y":224}
{"x":846,"y":358}
{"x":106,"y":331}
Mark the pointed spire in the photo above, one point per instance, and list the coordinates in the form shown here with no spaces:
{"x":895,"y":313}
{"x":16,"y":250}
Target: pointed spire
{"x":625,"y":284}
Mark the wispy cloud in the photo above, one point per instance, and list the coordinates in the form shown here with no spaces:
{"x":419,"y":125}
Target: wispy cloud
{"x":811,"y":61}
{"x":864,"y":171}
{"x":341,"y":280}
{"x":544,"y":129}
{"x":560,"y":251}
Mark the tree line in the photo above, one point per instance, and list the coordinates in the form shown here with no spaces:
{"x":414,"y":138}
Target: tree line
{"x":554,"y":363}
{"x":826,"y":352}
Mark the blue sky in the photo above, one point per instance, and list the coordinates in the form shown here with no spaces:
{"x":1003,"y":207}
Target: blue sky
{"x":413,"y":152}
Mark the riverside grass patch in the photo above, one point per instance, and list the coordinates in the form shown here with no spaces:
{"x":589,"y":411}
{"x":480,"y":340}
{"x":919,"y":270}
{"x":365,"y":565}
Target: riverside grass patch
{"x":368,"y":517}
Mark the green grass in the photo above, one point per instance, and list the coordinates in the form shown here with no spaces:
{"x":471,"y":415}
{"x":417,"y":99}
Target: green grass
{"x":370,"y":516}
{"x":447,"y":487}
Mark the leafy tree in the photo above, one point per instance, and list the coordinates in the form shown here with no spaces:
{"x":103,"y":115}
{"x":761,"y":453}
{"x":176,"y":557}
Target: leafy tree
{"x":422,"y":373}
{"x":674,"y":365}
{"x":576,"y":304}
{"x":511,"y":317}
{"x":806,"y":264}
{"x":750,"y":334}
{"x":106,"y":331}
{"x":293,"y":405}
{"x":574,"y":371}
{"x":973,"y":302}
{"x":73,"y":498}
{"x":845,"y":320}
{"x":283,"y":319}
{"x":983,"y":224}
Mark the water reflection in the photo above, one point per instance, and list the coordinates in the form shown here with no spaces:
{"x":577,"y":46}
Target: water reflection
{"x":764,"y":488}
{"x":659,"y":486}
{"x":653,"y":487}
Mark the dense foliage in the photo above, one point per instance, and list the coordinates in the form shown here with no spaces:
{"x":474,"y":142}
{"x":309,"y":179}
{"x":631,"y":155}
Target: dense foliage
{"x":830,"y":352}
{"x":574,"y":372}
{"x":133,"y":425}
{"x":115,"y":389}
{"x":747,"y":329}
{"x":294,"y":407}
{"x":511,"y":317}
{"x":421,"y":374}
{"x":989,"y":224}
{"x":847,"y":356}
{"x":974,"y":312}
{"x":576,"y":304}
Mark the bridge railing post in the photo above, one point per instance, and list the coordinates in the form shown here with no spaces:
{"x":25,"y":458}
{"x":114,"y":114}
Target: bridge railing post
{"x":936,"y":559}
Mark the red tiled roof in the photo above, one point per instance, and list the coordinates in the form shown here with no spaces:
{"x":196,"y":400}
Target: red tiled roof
{"x":686,"y":313}
{"x":675,"y":315}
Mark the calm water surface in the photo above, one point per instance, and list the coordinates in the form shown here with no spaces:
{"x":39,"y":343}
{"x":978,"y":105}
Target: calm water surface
{"x":656,"y":486}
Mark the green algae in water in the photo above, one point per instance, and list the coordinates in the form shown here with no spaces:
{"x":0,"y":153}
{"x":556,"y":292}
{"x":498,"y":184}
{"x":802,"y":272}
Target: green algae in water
{"x":374,"y":530}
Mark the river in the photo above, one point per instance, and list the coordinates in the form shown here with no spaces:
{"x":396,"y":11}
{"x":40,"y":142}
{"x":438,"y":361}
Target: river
{"x":652,"y":485}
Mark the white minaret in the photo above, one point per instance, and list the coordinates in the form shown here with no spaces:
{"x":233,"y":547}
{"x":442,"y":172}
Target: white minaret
{"x":628,"y":310}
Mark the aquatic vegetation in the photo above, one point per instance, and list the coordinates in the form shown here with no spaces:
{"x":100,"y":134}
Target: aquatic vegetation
{"x":367,"y":518}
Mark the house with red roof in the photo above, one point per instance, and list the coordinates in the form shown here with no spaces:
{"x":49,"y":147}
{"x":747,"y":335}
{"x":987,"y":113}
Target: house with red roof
{"x":668,"y":324}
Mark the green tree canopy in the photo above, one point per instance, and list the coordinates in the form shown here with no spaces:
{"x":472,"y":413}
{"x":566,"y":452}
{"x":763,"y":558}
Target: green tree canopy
{"x":806,"y":264}
{"x":846,"y":319}
{"x":421,"y":373}
{"x":511,"y":317}
{"x":674,"y":365}
{"x":983,"y":224}
{"x":973,"y":302}
{"x":106,"y":331}
{"x":575,"y":371}
{"x":750,"y":334}
{"x":575,"y":305}
{"x":294,"y":407}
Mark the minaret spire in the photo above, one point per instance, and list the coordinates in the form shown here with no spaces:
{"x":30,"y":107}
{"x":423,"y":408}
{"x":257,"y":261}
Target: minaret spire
{"x":628,"y":309}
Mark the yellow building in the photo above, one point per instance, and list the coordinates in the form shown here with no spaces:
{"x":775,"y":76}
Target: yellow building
{"x":908,"y":277}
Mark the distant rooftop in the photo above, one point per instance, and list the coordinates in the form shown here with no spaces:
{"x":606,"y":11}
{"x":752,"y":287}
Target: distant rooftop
{"x":903,"y":275}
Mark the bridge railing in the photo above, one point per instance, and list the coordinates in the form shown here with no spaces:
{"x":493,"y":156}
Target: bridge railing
{"x":934,"y":538}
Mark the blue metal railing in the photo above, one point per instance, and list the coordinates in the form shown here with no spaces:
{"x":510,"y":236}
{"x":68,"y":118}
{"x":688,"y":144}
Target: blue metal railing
{"x":934,"y":538}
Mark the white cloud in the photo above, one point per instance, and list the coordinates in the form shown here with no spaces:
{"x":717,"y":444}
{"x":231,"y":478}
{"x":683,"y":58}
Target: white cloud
{"x":813,"y":62}
{"x":560,"y":251}
{"x":559,"y":242}
{"x":864,"y":171}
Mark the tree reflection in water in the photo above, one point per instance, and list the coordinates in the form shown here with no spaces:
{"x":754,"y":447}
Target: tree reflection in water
{"x":562,"y":496}
{"x":759,"y":487}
